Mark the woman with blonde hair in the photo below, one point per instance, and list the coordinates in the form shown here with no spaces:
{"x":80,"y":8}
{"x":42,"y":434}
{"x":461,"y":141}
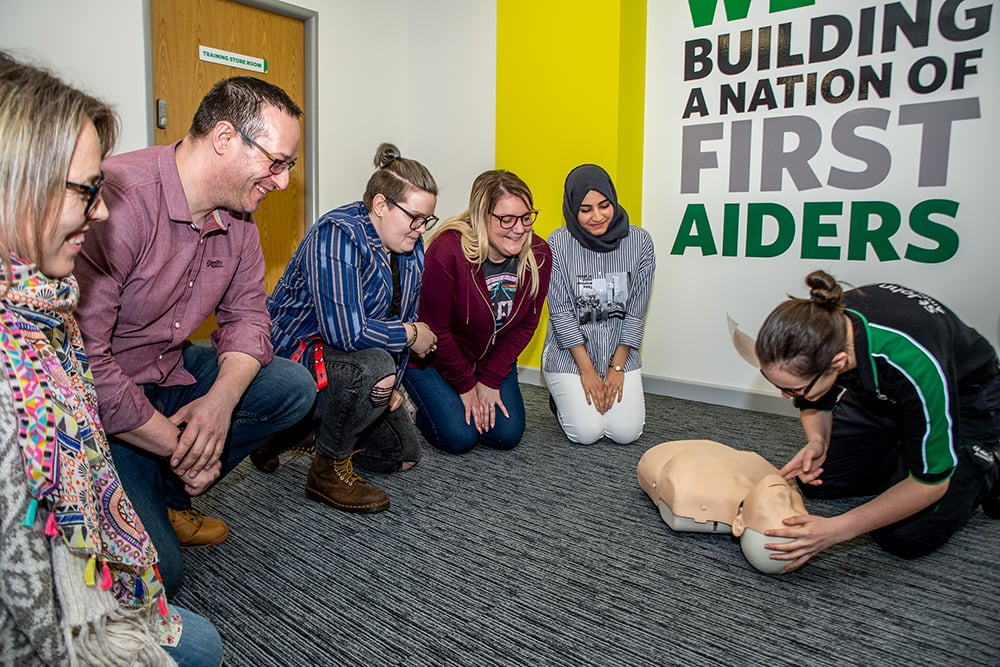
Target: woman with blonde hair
{"x":79,"y":572}
{"x":485,"y":279}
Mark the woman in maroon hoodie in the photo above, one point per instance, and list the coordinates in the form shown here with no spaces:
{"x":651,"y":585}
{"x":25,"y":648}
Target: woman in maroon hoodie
{"x":485,"y":278}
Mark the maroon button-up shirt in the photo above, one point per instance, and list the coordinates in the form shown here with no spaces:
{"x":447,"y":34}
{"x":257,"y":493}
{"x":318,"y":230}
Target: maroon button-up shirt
{"x":148,"y":279}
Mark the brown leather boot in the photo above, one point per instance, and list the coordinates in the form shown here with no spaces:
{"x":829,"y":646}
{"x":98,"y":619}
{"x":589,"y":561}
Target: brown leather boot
{"x":267,"y":457}
{"x":195,"y":529}
{"x":336,"y":484}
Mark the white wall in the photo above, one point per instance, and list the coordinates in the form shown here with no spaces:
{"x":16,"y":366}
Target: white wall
{"x":695,"y":291}
{"x":99,"y":46}
{"x":452,"y":93}
{"x":419,"y":73}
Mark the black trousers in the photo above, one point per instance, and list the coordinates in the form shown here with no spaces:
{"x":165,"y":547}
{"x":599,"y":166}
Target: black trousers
{"x":866,"y":457}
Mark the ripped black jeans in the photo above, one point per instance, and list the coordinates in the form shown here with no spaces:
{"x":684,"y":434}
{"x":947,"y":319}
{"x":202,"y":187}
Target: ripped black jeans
{"x":352,"y":413}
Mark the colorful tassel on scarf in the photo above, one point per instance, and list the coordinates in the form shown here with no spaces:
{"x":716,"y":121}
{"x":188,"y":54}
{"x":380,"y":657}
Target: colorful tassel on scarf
{"x":29,"y":518}
{"x":88,"y":572}
{"x":105,"y":576}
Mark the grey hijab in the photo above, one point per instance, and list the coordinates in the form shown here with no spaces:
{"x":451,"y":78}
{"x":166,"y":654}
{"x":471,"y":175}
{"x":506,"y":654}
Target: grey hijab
{"x":579,"y":182}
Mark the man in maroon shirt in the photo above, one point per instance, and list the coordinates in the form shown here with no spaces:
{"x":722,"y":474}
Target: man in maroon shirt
{"x":180,"y":244}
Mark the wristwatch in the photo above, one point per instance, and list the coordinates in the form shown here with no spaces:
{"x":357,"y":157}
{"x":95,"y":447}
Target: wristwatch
{"x":616,"y":367}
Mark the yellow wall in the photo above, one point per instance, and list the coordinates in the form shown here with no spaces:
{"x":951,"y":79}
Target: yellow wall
{"x":570,"y":90}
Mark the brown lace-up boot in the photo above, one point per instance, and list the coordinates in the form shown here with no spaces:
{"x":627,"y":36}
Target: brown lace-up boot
{"x":336,"y":484}
{"x":298,"y":439}
{"x":195,"y":529}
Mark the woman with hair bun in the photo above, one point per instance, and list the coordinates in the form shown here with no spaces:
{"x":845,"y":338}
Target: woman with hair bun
{"x":346,"y":307}
{"x":899,"y":399}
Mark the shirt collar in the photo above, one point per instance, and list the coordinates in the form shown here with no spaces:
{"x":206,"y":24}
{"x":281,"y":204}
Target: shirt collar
{"x":173,"y":191}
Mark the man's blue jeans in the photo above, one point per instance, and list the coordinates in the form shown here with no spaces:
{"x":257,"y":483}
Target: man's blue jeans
{"x":282,"y":393}
{"x":200,"y":644}
{"x":441,"y":414}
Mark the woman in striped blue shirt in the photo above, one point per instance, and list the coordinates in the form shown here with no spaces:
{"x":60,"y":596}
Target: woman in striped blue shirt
{"x":346,"y":307}
{"x":602,"y":272}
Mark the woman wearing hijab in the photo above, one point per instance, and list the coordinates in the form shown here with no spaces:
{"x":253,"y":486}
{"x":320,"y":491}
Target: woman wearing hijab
{"x":602,"y":271}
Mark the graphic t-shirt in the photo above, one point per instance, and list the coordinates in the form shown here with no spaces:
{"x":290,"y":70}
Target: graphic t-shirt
{"x":601,"y":298}
{"x":501,"y":281}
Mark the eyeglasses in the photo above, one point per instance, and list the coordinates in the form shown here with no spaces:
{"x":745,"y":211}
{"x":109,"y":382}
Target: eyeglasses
{"x":92,"y":192}
{"x":507,"y":221}
{"x":277,"y":164}
{"x":416,"y":220}
{"x":797,"y":393}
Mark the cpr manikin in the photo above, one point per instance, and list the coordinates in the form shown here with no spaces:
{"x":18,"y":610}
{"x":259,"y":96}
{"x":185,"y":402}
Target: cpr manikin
{"x":707,"y":487}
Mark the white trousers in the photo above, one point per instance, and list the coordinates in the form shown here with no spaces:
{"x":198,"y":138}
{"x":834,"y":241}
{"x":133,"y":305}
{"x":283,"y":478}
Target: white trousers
{"x":583,"y":424}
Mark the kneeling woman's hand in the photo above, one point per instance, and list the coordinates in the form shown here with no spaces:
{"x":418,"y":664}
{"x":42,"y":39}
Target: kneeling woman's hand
{"x":489,"y":403}
{"x":614,"y":383}
{"x":395,"y":400}
{"x":810,"y":535}
{"x":425,"y":340}
{"x":593,"y":389}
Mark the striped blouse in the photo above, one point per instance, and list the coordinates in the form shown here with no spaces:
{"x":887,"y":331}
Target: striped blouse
{"x":598,"y":300}
{"x":338,"y":287}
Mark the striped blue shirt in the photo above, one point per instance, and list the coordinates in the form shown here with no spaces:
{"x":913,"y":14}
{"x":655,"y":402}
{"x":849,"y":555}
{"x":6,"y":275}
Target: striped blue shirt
{"x":338,"y":287}
{"x":597,"y":299}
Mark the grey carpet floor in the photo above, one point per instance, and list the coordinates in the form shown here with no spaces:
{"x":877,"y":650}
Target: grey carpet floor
{"x":550,"y":554}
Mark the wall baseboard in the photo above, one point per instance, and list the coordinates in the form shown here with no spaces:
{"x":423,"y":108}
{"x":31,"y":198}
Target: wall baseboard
{"x":703,"y":393}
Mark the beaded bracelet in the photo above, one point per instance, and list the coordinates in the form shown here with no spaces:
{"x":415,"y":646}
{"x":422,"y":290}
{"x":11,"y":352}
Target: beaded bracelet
{"x":413,"y":341}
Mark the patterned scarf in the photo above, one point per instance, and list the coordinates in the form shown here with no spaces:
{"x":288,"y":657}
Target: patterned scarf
{"x":66,"y":457}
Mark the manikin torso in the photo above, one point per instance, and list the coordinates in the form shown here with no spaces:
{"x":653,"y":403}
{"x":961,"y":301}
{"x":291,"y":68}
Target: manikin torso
{"x":701,"y":481}
{"x":707,"y":487}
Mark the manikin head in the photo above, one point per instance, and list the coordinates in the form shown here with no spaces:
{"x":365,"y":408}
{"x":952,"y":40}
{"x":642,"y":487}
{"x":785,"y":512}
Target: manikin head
{"x":767,"y":504}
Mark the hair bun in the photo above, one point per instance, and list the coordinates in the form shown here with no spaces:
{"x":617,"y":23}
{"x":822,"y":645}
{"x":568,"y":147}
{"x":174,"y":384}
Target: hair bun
{"x":385,"y":154}
{"x":824,"y":289}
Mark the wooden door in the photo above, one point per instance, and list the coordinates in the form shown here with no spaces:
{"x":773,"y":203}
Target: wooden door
{"x":181,"y":79}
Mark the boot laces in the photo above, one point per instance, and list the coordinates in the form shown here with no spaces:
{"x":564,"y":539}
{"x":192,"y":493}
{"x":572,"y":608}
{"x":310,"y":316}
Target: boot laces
{"x":300,"y":449}
{"x":192,"y":516}
{"x":345,"y":470}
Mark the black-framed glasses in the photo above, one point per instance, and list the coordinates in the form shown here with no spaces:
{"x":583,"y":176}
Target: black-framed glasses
{"x":277,"y":164}
{"x":797,"y":393}
{"x":417,"y":220}
{"x":508,"y":221}
{"x":92,"y":192}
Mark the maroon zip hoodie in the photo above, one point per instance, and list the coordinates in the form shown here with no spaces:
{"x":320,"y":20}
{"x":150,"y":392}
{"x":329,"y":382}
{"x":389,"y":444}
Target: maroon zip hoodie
{"x":455,"y":304}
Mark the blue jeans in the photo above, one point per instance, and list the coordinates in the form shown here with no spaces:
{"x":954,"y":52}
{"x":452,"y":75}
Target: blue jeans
{"x":200,"y":644}
{"x":281,"y":394}
{"x":441,"y":414}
